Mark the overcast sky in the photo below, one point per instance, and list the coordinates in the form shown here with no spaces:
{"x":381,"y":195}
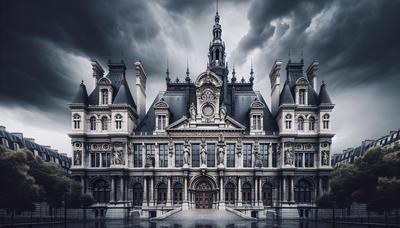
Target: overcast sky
{"x":46,"y":47}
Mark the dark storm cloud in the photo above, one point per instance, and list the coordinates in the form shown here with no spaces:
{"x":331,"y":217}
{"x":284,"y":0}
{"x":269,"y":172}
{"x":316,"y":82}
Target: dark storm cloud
{"x":355,"y":41}
{"x":32,"y":30}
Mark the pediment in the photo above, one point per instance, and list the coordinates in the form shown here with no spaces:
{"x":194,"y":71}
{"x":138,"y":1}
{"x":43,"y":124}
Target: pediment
{"x":104,"y":81}
{"x":257,"y":104}
{"x":302,"y":81}
{"x":161,"y":104}
{"x":208,"y":77}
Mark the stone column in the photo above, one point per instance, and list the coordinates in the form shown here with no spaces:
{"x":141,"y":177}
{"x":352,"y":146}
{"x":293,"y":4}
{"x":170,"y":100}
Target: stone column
{"x":121,"y":187}
{"x":151,"y":203}
{"x":239,"y":202}
{"x":185,"y":204}
{"x":156,"y":156}
{"x":112,"y":188}
{"x":143,"y":155}
{"x":260,"y":192}
{"x":284,"y":193}
{"x":169,"y":192}
{"x":256,"y":192}
{"x":145,"y":202}
{"x":292,"y":188}
{"x":270,"y":155}
{"x":221,"y":193}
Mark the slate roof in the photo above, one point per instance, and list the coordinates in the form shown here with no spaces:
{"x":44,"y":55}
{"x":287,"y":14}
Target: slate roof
{"x":180,"y":96}
{"x":286,"y":96}
{"x":82,"y":95}
{"x":323,"y":95}
{"x":124,"y":95}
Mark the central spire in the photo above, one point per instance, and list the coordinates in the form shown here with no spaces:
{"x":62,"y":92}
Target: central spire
{"x":216,"y":54}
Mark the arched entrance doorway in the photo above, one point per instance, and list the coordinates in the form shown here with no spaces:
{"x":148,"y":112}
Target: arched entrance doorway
{"x":203,"y":195}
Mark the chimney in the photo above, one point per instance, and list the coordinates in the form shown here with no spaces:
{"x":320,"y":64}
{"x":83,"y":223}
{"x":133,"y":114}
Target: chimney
{"x":141,"y":79}
{"x":2,"y":128}
{"x":312,"y":73}
{"x":18,"y":134}
{"x":98,"y":71}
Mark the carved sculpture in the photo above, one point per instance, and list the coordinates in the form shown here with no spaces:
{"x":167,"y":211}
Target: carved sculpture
{"x":288,"y":157}
{"x":192,"y":111}
{"x":77,"y":157}
{"x":203,"y":156}
{"x":325,"y":157}
{"x":221,"y":155}
{"x":186,"y":155}
{"x":222,"y":112}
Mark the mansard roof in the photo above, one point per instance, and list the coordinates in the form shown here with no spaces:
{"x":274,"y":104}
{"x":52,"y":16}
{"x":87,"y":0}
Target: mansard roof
{"x":323,"y":95}
{"x":124,"y":95}
{"x":286,"y":96}
{"x":179,"y":97}
{"x":82,"y":95}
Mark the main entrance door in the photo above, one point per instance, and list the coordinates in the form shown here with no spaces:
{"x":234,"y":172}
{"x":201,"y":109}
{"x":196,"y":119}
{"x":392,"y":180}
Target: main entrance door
{"x":203,"y":195}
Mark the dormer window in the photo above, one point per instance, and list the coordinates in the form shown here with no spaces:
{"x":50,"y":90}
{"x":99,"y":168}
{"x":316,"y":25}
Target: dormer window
{"x":118,"y":121}
{"x":288,"y":121}
{"x":302,"y":96}
{"x":92,"y":123}
{"x":311,"y":123}
{"x":77,"y":121}
{"x":104,"y":125}
{"x":161,"y":122}
{"x":325,"y":121}
{"x":256,"y":125}
{"x":104,"y":96}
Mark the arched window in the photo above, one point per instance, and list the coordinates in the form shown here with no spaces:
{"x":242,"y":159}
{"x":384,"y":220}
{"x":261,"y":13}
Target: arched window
{"x":162,"y":193}
{"x":104,"y":96}
{"x":101,"y":191}
{"x":267,"y":194}
{"x":300,"y":123}
{"x":230,"y":193}
{"x":311,"y":123}
{"x":93,"y":123}
{"x":217,"y":54}
{"x":77,"y":121}
{"x":104,"y":125}
{"x":118,"y":121}
{"x":302,"y":191}
{"x":246,"y":193}
{"x":325,"y":121}
{"x":137,"y":194}
{"x":302,"y":96}
{"x":288,"y":121}
{"x":177,"y":192}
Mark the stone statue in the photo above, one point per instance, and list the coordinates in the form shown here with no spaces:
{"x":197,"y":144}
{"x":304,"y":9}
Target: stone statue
{"x":192,"y":110}
{"x":288,"y":157}
{"x":77,"y":157}
{"x":186,"y":155}
{"x":222,"y":112}
{"x":221,"y":155}
{"x":203,"y":156}
{"x":117,"y":157}
{"x":325,"y":157}
{"x":258,"y":161}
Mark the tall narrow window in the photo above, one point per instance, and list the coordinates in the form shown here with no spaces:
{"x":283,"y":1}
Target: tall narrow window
{"x":230,"y":193}
{"x":162,"y":193}
{"x":95,"y":159}
{"x":246,"y":193}
{"x":302,"y":96}
{"x":302,"y":192}
{"x":288,"y":121}
{"x":264,"y":154}
{"x":274,"y":156}
{"x":230,"y":155}
{"x":105,"y":159}
{"x":150,"y":152}
{"x":300,"y":123}
{"x":104,"y":122}
{"x":178,"y":155}
{"x":77,"y":121}
{"x":217,"y":54}
{"x":118,"y":121}
{"x":161,"y":122}
{"x":299,"y":159}
{"x":210,"y":155}
{"x":309,"y":159}
{"x":93,"y":123}
{"x":104,"y":96}
{"x":177,"y":195}
{"x":163,"y":155}
{"x":195,"y":155}
{"x":137,"y":155}
{"x":256,"y":122}
{"x":247,"y":161}
{"x":326,"y":121}
{"x":311,"y":123}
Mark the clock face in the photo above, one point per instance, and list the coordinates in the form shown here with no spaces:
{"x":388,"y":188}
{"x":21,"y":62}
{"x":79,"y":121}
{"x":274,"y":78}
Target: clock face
{"x":208,"y":110}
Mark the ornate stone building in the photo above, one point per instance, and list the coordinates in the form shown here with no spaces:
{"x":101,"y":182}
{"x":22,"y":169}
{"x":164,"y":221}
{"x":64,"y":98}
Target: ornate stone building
{"x":207,"y":143}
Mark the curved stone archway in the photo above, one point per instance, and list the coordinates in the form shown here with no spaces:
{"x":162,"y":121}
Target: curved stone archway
{"x":204,"y":192}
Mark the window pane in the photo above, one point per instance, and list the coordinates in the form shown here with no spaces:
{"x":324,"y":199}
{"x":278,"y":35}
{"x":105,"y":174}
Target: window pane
{"x":231,"y":155}
{"x":274,"y":157}
{"x":163,"y":155}
{"x":195,"y":155}
{"x":137,"y":156}
{"x":247,"y":162}
{"x":210,"y":155}
{"x":178,"y":155}
{"x":264,"y":154}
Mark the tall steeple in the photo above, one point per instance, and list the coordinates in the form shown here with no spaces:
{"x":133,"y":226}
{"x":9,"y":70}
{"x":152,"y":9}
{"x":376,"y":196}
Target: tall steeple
{"x":216,"y":54}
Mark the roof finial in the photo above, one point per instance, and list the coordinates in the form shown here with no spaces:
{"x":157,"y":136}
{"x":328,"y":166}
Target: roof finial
{"x":217,"y":6}
{"x":233,"y":75}
{"x":251,"y":68}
